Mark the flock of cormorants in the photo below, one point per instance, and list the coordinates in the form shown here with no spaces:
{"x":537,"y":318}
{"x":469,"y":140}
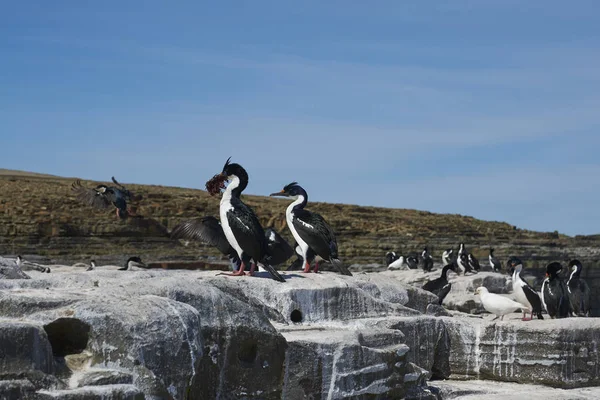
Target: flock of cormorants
{"x":239,"y":235}
{"x":558,"y":298}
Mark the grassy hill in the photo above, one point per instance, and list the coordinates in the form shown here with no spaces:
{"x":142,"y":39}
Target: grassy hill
{"x":39,"y":216}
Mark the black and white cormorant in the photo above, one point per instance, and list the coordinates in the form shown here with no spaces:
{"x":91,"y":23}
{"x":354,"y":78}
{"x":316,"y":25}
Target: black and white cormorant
{"x":461,"y":249}
{"x":523,"y":292}
{"x":92,"y":265}
{"x":103,"y":197}
{"x":427,"y":260}
{"x":440,"y":286}
{"x":462,"y":262}
{"x":310,"y":230}
{"x":412,"y":262}
{"x":554,"y":292}
{"x":30,"y":266}
{"x":447,"y":257}
{"x":390,"y":257}
{"x":132,"y":263}
{"x":473,"y":262}
{"x":240,"y":224}
{"x":494,"y":263}
{"x":579,"y":291}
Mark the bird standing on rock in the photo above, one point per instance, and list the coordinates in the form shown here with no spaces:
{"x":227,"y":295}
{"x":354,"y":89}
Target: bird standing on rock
{"x":554,"y":292}
{"x":427,"y":260}
{"x":310,"y":230}
{"x":523,"y":292}
{"x":240,"y":224}
{"x":579,"y":291}
{"x":494,"y":263}
{"x":440,"y":286}
{"x":496,"y":304}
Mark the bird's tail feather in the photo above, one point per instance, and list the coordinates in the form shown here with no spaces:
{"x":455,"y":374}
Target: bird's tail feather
{"x":274,"y":274}
{"x":341,"y":267}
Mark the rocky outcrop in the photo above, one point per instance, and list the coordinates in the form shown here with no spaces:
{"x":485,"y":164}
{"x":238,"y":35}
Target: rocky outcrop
{"x":159,"y":334}
{"x":195,"y":335}
{"x":559,"y":353}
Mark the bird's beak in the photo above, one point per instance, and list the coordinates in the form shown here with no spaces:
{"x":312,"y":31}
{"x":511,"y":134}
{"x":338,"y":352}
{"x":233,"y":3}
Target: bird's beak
{"x":547,"y":275}
{"x":280,"y":193}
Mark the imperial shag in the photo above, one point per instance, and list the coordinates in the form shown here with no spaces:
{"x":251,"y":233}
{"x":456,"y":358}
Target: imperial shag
{"x":494,"y":263}
{"x":412,"y":262}
{"x":523,"y":292}
{"x":579,"y":291}
{"x":102,"y":197}
{"x":398,"y":263}
{"x":310,"y":230}
{"x":447,"y":257}
{"x":440,"y":286}
{"x":133,"y":263}
{"x":240,"y":224}
{"x":473,"y":262}
{"x":554,"y":292}
{"x":462,"y":262}
{"x":427,"y":260}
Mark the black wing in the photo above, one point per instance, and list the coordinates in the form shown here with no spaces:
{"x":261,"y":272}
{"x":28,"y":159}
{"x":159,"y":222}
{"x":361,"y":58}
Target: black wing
{"x":319,"y":236}
{"x":534,"y":299}
{"x":317,"y":233}
{"x":206,"y":230}
{"x":90,"y":197}
{"x":278,"y":248}
{"x":126,"y":192}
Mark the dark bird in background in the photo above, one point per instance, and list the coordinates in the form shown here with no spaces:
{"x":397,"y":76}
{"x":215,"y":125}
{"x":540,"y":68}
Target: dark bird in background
{"x":447,"y":257}
{"x":208,"y":230}
{"x":494,"y":263}
{"x":103,"y":197}
{"x":412,"y":262}
{"x":240,"y":224}
{"x":132,"y":263}
{"x":462,"y":261}
{"x":427,"y":260}
{"x":554,"y":292}
{"x":440,"y":286}
{"x":473,"y":262}
{"x":579,"y":291}
{"x":310,"y":230}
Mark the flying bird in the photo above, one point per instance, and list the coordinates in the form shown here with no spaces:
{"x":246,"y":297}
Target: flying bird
{"x":103,"y":197}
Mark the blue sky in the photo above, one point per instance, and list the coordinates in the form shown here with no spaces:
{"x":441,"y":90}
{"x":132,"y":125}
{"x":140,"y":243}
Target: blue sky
{"x":482,"y":108}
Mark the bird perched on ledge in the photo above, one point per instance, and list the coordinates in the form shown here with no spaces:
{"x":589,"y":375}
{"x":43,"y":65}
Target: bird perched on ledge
{"x":240,"y":224}
{"x":310,"y":230}
{"x":496,"y":304}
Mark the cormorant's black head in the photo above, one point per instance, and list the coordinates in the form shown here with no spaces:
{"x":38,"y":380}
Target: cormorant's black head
{"x":231,"y":169}
{"x":512,"y":263}
{"x":491,"y":251}
{"x":553,"y":268}
{"x":291,"y":190}
{"x":575,"y":265}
